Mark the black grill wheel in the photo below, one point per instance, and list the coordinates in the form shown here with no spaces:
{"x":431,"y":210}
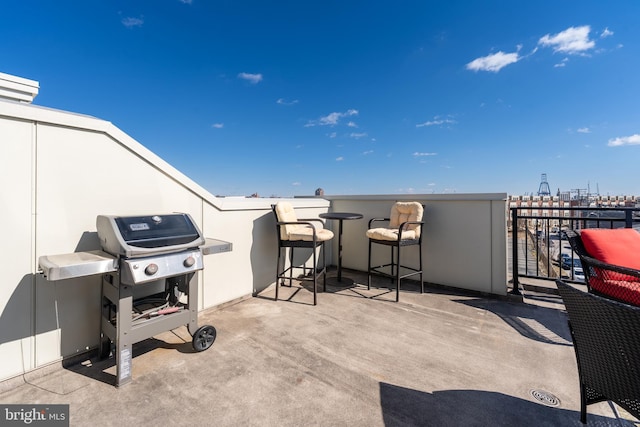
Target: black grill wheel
{"x":204,"y":337}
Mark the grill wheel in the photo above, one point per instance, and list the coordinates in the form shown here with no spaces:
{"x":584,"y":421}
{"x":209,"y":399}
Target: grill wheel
{"x":204,"y":337}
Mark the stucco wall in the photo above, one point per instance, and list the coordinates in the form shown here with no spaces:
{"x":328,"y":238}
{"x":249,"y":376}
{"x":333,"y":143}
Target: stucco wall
{"x":464,"y":238}
{"x":60,"y":170}
{"x":16,"y":249}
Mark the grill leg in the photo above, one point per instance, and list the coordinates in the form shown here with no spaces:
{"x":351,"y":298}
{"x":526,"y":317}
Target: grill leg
{"x":124,"y":346}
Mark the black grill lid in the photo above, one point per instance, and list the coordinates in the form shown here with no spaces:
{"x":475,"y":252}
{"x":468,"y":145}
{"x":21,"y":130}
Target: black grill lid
{"x":146,"y":235}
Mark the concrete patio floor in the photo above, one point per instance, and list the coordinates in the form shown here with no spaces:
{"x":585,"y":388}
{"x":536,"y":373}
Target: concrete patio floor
{"x":356,"y":359}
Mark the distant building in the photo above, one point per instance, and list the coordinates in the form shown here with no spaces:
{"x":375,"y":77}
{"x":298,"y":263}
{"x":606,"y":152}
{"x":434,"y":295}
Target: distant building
{"x":555,"y":206}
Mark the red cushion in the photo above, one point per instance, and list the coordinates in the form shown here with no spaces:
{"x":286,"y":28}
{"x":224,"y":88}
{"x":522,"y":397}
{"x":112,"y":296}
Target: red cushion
{"x":622,"y":290}
{"x":620,"y":246}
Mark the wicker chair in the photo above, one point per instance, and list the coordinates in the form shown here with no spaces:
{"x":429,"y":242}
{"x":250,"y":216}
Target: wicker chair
{"x":299,"y":233}
{"x":606,"y":341}
{"x":612,"y":281}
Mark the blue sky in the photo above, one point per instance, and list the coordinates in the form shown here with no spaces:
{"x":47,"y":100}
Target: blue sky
{"x":356,"y":97}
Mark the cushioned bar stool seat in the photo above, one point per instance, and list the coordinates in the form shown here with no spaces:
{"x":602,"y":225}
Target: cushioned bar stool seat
{"x":404,"y":229}
{"x":299,"y":233}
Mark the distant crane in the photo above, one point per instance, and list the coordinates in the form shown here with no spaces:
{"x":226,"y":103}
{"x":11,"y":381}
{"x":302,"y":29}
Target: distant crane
{"x":543,"y":189}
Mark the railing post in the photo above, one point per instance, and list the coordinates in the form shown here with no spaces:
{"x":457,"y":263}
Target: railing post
{"x":628,"y":218}
{"x":515,"y":290}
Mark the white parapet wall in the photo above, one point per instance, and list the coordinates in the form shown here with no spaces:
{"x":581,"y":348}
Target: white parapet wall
{"x":464,"y":237}
{"x":60,"y":170}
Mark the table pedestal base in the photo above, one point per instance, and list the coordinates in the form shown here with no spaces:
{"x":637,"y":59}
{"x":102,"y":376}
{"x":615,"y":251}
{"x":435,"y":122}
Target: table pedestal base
{"x":342,"y":283}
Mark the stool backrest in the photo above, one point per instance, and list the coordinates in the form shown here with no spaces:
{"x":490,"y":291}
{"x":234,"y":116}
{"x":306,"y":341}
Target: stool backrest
{"x":285,"y":213}
{"x":406,"y":211}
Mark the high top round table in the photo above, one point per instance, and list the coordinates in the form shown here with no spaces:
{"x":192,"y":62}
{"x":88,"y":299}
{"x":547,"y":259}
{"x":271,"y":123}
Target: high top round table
{"x":340,"y":216}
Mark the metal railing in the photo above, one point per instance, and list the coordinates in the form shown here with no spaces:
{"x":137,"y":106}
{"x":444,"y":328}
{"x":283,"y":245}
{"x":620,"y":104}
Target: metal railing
{"x":538,"y":243}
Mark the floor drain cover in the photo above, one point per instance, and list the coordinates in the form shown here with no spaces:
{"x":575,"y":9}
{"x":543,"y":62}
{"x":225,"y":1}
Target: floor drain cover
{"x":545,"y":398}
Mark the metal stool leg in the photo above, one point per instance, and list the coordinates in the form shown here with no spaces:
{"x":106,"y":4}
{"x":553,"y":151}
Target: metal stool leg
{"x":315,"y":277}
{"x":397,"y":274}
{"x":278,"y":273}
{"x":369,"y":268}
{"x":421,"y":278}
{"x":324,"y":269}
{"x":392,"y":265}
{"x":290,"y":266}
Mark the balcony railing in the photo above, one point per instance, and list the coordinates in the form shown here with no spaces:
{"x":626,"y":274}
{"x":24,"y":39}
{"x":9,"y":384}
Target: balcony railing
{"x":539,"y":246}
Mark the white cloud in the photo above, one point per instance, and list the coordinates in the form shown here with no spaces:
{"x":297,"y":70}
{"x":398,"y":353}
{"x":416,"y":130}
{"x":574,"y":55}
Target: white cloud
{"x":367,"y":152}
{"x":339,"y":159}
{"x":606,"y":33}
{"x":352,"y":125}
{"x":357,"y":135}
{"x":333,"y":135}
{"x":296,"y":184}
{"x":331,"y":119}
{"x":130,"y":22}
{"x":437,"y":121}
{"x":417,"y":154}
{"x":217,"y":125}
{"x":625,"y":140}
{"x":251,"y":78}
{"x":584,"y":130}
{"x":282,"y":101}
{"x":573,"y":40}
{"x":562,"y":63}
{"x":494,"y":62}
{"x":186,"y":1}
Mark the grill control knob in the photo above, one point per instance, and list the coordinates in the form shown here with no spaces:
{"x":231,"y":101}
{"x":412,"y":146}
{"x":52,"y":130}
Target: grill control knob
{"x":151,"y":269}
{"x":189,"y":262}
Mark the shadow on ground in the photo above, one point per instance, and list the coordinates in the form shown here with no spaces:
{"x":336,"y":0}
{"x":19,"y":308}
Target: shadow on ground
{"x":406,"y":407}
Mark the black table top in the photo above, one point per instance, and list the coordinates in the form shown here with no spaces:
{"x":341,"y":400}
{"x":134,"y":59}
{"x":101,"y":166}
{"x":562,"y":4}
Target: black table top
{"x":340,"y":215}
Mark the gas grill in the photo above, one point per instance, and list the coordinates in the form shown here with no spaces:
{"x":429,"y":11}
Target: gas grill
{"x":149,"y":281}
{"x":151,"y":247}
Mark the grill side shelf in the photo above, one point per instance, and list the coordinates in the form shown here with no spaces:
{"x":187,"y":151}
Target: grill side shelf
{"x":77,"y":264}
{"x":215,"y":246}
